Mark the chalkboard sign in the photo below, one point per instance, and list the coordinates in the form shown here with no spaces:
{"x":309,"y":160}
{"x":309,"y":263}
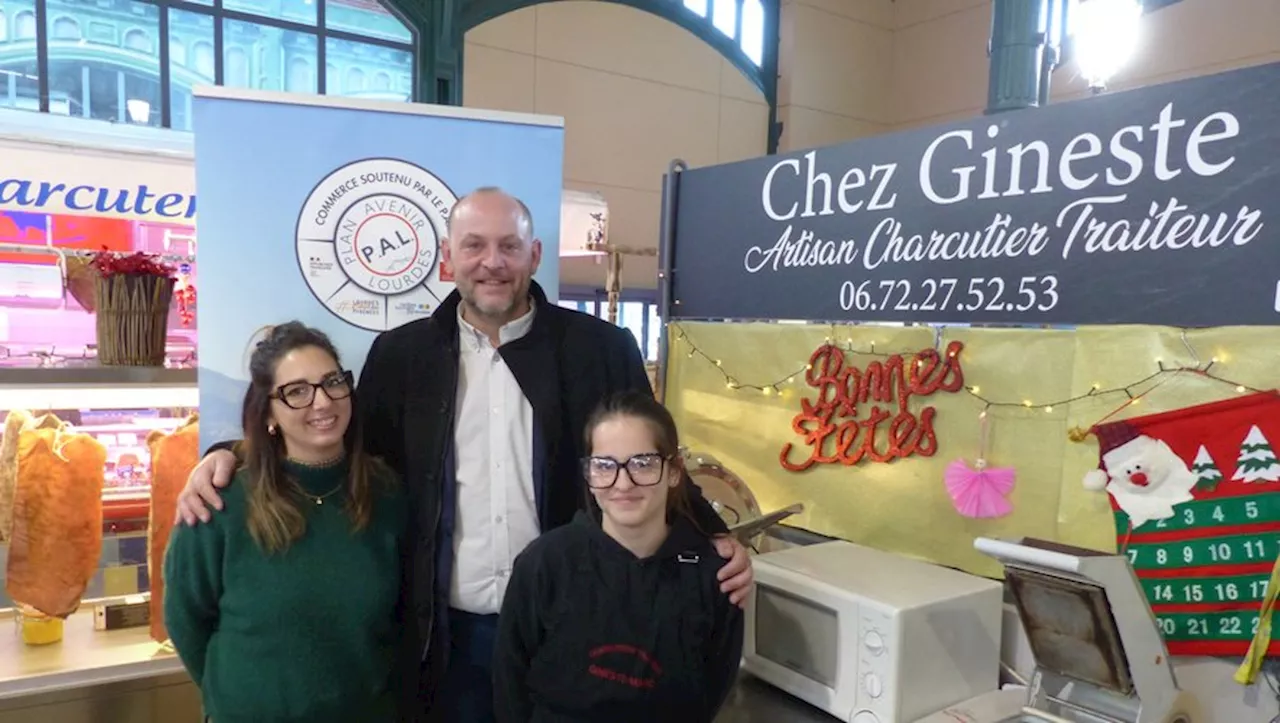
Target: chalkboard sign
{"x":1150,"y":206}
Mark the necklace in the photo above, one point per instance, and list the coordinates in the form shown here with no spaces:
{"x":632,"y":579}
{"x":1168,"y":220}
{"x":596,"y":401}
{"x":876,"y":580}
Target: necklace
{"x":319,"y":499}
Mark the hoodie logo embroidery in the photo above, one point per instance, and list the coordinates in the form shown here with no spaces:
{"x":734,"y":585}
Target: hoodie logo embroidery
{"x":599,"y":669}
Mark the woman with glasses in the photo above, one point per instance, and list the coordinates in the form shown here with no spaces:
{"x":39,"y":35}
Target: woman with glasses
{"x":284,"y":607}
{"x":618,"y":617}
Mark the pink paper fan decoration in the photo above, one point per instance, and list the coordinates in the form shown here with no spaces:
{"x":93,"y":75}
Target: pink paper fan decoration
{"x":982,"y":492}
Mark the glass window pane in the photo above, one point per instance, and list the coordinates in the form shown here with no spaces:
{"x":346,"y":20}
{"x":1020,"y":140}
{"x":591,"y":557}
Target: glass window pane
{"x":1051,"y":12}
{"x":267,"y":58}
{"x":365,"y":17}
{"x":105,"y":70}
{"x":299,"y":11}
{"x":583,"y":306}
{"x":699,"y":7}
{"x":655,"y":333}
{"x":19,"y":87}
{"x":364,"y":70}
{"x":724,"y":14}
{"x":753,"y":30}
{"x":631,"y":318}
{"x":190,"y":61}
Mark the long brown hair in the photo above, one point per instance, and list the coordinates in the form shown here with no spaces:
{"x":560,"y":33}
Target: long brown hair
{"x":642,"y":406}
{"x":275,"y":501}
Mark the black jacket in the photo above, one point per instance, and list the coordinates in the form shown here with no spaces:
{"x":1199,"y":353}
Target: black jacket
{"x":590,"y":634}
{"x":566,"y":365}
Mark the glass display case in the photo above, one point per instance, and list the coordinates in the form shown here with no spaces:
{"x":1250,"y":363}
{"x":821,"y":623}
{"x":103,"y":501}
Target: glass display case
{"x":119,"y":407}
{"x":48,"y":364}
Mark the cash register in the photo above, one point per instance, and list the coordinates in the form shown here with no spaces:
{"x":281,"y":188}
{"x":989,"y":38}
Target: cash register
{"x":1099,"y":656}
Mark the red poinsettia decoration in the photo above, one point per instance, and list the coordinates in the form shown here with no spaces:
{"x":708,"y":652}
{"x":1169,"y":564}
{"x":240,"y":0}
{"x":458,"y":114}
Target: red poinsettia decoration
{"x":111,"y":263}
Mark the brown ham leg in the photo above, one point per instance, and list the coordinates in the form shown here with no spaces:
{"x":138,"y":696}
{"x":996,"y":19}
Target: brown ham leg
{"x":57,"y":520}
{"x":173,"y":456}
{"x":14,"y":423}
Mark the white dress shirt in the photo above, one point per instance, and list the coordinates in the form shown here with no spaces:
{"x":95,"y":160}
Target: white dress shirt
{"x":497,"y":514}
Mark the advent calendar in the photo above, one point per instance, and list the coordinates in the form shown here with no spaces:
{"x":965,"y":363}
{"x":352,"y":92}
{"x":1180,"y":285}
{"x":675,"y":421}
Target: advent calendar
{"x":1194,"y":498}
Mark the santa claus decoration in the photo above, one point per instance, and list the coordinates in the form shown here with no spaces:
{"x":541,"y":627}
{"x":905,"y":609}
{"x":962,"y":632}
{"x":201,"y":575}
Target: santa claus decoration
{"x":1141,"y":473}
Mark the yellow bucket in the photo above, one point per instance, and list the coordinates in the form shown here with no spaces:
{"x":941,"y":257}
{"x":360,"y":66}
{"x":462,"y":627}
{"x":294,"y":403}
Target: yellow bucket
{"x":40,"y":629}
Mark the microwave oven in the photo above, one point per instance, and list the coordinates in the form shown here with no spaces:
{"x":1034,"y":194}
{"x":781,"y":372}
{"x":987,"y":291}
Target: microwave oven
{"x":870,"y":636}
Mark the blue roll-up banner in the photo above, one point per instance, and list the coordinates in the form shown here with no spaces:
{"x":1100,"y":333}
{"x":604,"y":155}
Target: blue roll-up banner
{"x":1151,"y":206}
{"x":331,"y":211}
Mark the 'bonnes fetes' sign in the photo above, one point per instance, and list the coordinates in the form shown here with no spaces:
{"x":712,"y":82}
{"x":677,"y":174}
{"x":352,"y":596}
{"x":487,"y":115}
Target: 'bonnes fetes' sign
{"x":1152,"y":206}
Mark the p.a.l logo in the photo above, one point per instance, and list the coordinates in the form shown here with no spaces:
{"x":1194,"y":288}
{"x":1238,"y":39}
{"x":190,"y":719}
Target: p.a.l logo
{"x":368,"y":238}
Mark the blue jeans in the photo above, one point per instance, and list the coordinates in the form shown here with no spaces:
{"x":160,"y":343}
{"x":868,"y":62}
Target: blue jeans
{"x":466,"y":691}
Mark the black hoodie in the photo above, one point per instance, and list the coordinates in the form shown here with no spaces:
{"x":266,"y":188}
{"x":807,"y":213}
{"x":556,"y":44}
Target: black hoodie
{"x":591,"y":634}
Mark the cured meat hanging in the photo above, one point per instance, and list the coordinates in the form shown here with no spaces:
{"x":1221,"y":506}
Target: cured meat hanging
{"x":56,"y":538}
{"x":14,"y":423}
{"x":173,"y":456}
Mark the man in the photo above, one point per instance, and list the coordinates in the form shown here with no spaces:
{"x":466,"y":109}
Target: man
{"x":481,"y":408}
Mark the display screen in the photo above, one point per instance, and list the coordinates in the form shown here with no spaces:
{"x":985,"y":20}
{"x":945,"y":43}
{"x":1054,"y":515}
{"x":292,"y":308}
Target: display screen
{"x":797,"y":634}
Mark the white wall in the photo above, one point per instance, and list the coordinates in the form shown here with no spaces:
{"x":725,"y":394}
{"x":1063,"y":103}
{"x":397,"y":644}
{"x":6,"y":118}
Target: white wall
{"x":835,"y":65}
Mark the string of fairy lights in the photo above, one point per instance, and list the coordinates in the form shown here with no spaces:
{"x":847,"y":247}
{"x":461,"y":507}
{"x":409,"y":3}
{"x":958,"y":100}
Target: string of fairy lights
{"x":1133,"y":391}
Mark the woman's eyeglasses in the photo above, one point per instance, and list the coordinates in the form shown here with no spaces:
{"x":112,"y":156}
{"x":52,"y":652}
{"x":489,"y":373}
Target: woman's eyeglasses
{"x":302,"y":394}
{"x":645,"y":470}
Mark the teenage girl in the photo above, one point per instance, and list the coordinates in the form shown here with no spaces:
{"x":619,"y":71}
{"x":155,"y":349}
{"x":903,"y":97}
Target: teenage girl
{"x":618,"y":616}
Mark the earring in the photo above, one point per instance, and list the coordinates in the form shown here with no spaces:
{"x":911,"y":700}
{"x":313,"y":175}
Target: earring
{"x":271,"y":429}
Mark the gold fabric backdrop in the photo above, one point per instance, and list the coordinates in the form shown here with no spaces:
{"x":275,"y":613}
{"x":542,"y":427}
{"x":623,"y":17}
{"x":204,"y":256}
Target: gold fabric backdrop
{"x":903,"y":506}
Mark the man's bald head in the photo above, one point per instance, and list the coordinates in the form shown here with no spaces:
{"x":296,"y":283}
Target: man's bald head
{"x":488,"y":195}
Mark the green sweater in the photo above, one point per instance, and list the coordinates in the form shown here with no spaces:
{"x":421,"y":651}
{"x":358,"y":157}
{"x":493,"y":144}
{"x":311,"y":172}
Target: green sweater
{"x":307,"y":634}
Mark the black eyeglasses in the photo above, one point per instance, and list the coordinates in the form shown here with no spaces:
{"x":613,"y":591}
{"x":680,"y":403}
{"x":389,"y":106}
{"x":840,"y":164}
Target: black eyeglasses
{"x":645,"y":470}
{"x":302,"y":394}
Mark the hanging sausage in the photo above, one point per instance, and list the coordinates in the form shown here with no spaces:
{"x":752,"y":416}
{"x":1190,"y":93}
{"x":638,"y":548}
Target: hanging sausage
{"x":173,"y":456}
{"x":14,"y":423}
{"x":56,"y":536}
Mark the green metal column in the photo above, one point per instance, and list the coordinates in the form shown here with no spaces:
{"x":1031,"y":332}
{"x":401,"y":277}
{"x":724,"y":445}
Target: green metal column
{"x":447,"y":19}
{"x":1017,"y":53}
{"x":437,"y":24}
{"x":772,"y":44}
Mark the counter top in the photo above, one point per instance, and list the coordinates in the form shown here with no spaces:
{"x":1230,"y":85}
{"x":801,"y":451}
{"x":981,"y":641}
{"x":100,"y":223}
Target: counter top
{"x":85,"y":657}
{"x":92,"y":374}
{"x":754,"y":701}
